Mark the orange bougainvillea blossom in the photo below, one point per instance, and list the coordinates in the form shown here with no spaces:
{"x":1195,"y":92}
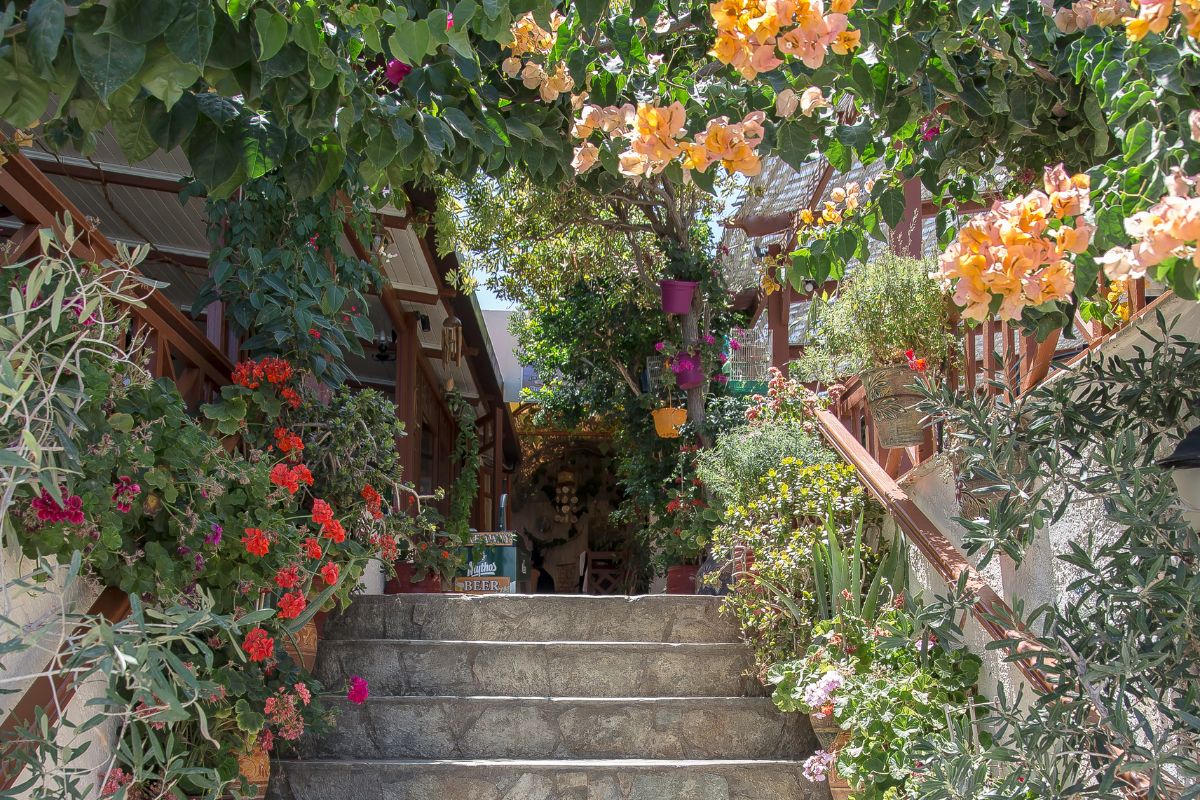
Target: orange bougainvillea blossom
{"x":1168,"y":229}
{"x":656,"y":137}
{"x":1021,"y":250}
{"x":755,"y":36}
{"x":530,"y":39}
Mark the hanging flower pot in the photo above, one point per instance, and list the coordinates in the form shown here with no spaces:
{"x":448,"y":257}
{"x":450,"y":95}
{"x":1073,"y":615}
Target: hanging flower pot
{"x":668,"y":421}
{"x":689,"y":371}
{"x":893,"y":405}
{"x":304,"y":651}
{"x":677,"y":295}
{"x":255,"y":767}
{"x":681,"y":578}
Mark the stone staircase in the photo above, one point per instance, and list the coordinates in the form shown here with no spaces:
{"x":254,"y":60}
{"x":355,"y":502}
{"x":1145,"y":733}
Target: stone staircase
{"x":547,"y":697}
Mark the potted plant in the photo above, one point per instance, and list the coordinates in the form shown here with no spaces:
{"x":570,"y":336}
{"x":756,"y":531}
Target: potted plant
{"x":668,"y":420}
{"x":687,"y":270}
{"x":887,"y":323}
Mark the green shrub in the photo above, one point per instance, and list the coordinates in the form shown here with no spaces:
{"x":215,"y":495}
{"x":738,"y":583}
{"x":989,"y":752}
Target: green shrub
{"x":732,"y":468}
{"x":882,"y":310}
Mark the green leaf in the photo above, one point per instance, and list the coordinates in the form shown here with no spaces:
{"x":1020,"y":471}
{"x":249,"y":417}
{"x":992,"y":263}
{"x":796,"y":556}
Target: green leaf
{"x":46,"y":21}
{"x":437,"y":134}
{"x":460,"y":123}
{"x":891,"y":205}
{"x":170,"y":128}
{"x":590,"y":10}
{"x":130,"y":126}
{"x":166,"y":77}
{"x":794,"y":144}
{"x":410,"y":42}
{"x":1138,"y":141}
{"x":105,"y":62}
{"x":137,"y":21}
{"x":190,"y":36}
{"x":907,"y":55}
{"x":213,"y":154}
{"x":493,"y":8}
{"x":272,"y":30}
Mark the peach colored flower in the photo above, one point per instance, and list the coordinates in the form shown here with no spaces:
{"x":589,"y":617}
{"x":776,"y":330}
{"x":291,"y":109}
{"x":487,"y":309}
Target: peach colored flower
{"x":586,"y":156}
{"x":787,"y":101}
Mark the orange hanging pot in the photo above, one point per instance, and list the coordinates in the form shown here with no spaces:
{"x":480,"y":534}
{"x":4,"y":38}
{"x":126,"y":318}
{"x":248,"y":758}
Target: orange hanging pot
{"x":668,"y":421}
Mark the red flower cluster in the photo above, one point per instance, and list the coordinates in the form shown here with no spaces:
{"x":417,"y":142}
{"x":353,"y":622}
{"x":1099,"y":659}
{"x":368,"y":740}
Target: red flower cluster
{"x":312,"y":548}
{"x":672,"y":506}
{"x":291,"y":605}
{"x":914,"y":363}
{"x":49,"y":510}
{"x":389,"y":550}
{"x":290,"y":478}
{"x":256,"y":541}
{"x":276,"y":371}
{"x":288,"y":442}
{"x":288,"y":577}
{"x":329,"y":573}
{"x":259,"y":646}
{"x":322,"y":514}
{"x":374,"y":501}
{"x":291,"y":396}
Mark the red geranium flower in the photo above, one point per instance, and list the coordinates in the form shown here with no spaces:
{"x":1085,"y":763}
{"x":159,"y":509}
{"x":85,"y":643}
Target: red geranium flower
{"x":329,"y":573}
{"x":334,"y":530}
{"x":312,"y":548}
{"x":256,"y":542}
{"x":322,"y":512}
{"x":259,"y":646}
{"x":291,"y":605}
{"x":291,"y":396}
{"x":358,"y":691}
{"x":288,"y":577}
{"x":288,"y":442}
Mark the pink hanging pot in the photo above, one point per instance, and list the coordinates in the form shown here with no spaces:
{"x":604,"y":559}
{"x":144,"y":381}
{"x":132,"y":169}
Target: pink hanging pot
{"x":677,"y":295}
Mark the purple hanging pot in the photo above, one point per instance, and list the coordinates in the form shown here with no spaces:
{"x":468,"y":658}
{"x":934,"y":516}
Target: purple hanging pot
{"x":677,"y":295}
{"x":691,"y":376}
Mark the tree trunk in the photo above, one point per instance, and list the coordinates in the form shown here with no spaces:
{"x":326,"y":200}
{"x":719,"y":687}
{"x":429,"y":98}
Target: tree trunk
{"x":695,"y":397}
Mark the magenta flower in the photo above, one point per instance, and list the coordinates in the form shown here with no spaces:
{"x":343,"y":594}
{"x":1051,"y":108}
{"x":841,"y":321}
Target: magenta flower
{"x":449,"y":21}
{"x":709,"y":339}
{"x":48,"y":510}
{"x":930,"y":131}
{"x":396,"y":71}
{"x":358,"y":690}
{"x":124,"y":492}
{"x":660,"y":346}
{"x":721,"y":379}
{"x":735,"y":345}
{"x":722,"y":357}
{"x":214,"y":538}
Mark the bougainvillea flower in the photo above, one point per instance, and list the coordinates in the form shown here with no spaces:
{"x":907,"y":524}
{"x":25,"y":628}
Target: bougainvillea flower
{"x":396,"y":71}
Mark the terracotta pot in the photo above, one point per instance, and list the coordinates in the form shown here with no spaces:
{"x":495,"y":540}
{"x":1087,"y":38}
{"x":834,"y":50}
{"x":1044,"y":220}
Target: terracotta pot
{"x":826,"y":730}
{"x":319,"y":619}
{"x":256,"y":769}
{"x":892,"y":402}
{"x":668,"y":421}
{"x":304,"y":651}
{"x":681,"y":578}
{"x":677,"y":295}
{"x":403,"y":583}
{"x":839,"y":787}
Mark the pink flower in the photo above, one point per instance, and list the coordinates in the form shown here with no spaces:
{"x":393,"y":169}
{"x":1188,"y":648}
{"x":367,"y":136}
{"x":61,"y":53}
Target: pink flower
{"x":735,"y":345}
{"x":358,"y":690}
{"x":449,"y":21}
{"x":660,"y":346}
{"x":213,"y":539}
{"x":722,"y":357}
{"x":709,"y":339}
{"x":930,"y":131}
{"x":721,"y":379}
{"x":396,"y":71}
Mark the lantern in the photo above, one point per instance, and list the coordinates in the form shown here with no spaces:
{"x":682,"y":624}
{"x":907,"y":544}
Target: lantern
{"x":452,"y":341}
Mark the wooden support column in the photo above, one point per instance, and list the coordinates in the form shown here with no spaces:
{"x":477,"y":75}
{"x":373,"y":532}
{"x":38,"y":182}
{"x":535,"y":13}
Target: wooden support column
{"x":408,"y":348}
{"x":779,"y":311}
{"x":906,"y":236}
{"x":497,"y":461}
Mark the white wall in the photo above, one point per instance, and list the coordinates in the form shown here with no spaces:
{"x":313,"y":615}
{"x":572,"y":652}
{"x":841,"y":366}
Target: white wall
{"x":504,"y":345}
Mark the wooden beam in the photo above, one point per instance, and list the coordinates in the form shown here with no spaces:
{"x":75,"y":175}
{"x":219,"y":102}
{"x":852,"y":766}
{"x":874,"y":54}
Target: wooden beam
{"x":415,"y":294}
{"x":906,"y":236}
{"x":111,"y":174}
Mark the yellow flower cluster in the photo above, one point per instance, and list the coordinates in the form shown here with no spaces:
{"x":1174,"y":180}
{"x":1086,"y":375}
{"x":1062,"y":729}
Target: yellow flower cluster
{"x":1155,"y":15}
{"x":656,"y":138}
{"x":1116,"y":300}
{"x":1082,"y":14}
{"x":529,"y":38}
{"x":755,"y":36}
{"x":1168,"y":229}
{"x":1013,"y":251}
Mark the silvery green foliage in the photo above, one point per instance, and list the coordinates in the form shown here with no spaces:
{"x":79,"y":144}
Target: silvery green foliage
{"x":1122,"y":650}
{"x":132,"y":669}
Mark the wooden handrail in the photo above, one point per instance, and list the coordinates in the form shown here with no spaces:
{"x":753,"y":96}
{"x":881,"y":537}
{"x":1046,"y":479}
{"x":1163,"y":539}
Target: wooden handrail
{"x":934,"y":546}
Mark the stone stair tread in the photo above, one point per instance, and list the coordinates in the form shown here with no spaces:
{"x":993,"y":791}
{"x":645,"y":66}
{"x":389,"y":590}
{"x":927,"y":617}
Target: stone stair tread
{"x":546,"y":763}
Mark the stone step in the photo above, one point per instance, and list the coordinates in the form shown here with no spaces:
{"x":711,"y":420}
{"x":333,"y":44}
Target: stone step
{"x":542,"y":780}
{"x":569,"y":727}
{"x":537,"y":617}
{"x":540,"y":669}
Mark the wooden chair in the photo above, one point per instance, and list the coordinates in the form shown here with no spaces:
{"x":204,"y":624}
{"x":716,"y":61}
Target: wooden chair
{"x":603,"y":572}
